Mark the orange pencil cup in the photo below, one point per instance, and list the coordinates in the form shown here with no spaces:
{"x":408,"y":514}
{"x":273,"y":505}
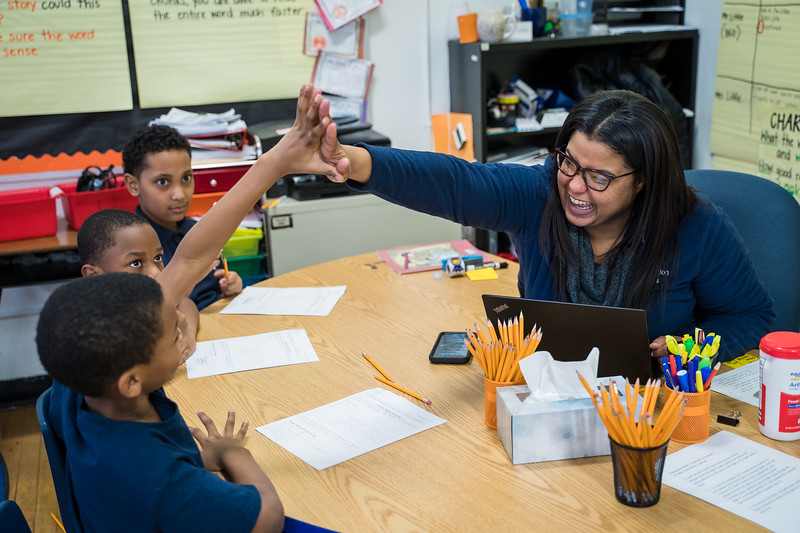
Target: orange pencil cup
{"x":490,"y":398}
{"x":693,"y":426}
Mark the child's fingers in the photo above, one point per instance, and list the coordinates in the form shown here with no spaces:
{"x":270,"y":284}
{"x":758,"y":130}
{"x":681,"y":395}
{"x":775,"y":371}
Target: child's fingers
{"x":230,"y":422}
{"x":242,"y":431}
{"x":208,"y":423}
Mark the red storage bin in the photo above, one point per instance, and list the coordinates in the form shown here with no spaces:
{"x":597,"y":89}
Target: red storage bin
{"x":219,"y":178}
{"x":79,"y":205}
{"x":27,"y":214}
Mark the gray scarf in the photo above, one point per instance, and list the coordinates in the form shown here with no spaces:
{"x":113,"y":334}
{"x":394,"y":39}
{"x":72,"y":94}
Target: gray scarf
{"x":588,"y":282}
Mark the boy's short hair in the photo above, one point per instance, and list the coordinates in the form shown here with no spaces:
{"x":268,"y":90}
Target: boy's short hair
{"x":98,"y":233}
{"x":91,"y":330}
{"x":150,"y":140}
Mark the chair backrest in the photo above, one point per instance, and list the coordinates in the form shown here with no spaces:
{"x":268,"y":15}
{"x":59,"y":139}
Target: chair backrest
{"x":292,"y":525}
{"x":768,"y":218}
{"x":57,"y":457}
{"x":11,"y":518}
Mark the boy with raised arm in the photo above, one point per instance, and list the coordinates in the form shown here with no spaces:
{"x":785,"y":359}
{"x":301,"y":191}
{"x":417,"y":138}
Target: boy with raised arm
{"x":110,"y":342}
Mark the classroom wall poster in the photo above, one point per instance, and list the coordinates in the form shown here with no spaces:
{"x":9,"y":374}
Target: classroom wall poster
{"x":63,"y":56}
{"x":754,"y":125}
{"x":212,"y":51}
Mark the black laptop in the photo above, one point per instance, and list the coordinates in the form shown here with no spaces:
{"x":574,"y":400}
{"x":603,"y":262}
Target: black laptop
{"x":570,"y":331}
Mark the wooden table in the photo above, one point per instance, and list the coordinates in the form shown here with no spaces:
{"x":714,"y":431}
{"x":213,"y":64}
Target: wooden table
{"x":454,"y":477}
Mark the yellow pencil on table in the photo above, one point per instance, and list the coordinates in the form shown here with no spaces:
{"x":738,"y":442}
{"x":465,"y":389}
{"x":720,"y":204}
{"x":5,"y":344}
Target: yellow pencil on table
{"x":403,"y":389}
{"x":373,"y":363}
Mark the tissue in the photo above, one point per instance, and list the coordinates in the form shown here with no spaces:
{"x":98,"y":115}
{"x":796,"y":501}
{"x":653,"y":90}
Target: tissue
{"x":550,"y":380}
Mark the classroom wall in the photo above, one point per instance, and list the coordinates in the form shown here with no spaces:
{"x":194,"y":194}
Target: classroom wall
{"x":411,"y":84}
{"x":407,"y":40}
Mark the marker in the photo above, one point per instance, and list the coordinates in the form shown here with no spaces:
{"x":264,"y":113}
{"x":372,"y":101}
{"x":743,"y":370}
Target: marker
{"x":683,"y":379}
{"x":691,"y":368}
{"x":495,"y":265}
{"x":698,"y":377}
{"x":705,"y":371}
{"x":673,"y":368}
{"x":667,"y":372}
{"x":672,"y":345}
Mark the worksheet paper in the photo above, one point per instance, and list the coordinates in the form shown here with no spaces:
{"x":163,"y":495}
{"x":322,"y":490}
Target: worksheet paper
{"x":307,"y":301}
{"x":265,"y":350}
{"x":349,"y":427}
{"x":741,"y":476}
{"x":741,"y":383}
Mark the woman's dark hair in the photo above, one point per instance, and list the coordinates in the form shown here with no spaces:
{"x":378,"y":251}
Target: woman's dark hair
{"x":642,"y":134}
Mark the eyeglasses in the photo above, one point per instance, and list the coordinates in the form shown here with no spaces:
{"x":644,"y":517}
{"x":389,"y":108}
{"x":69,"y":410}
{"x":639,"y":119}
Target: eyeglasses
{"x":594,"y":179}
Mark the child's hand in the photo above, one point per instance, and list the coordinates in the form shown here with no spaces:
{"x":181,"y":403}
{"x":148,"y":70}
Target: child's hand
{"x":214,"y":446}
{"x":230,"y":286}
{"x":311,"y":144}
{"x":188,"y":341}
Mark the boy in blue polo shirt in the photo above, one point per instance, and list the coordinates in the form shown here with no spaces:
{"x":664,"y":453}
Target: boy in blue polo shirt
{"x":111,"y":341}
{"x":158,"y":171}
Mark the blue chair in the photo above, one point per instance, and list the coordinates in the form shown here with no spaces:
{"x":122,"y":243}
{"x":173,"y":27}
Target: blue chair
{"x":57,"y":457}
{"x":292,"y":525}
{"x":768,"y":218}
{"x":11,"y":518}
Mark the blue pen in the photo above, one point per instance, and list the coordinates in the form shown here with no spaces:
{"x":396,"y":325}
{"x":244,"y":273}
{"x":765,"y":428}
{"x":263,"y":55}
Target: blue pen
{"x":691,"y":367}
{"x":683,"y":379}
{"x":667,"y":373}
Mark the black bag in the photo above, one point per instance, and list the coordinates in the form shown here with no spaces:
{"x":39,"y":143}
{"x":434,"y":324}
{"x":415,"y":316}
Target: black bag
{"x":94,"y":178}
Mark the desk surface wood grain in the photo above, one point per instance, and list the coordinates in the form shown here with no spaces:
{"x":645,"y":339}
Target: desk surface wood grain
{"x":454,"y":477}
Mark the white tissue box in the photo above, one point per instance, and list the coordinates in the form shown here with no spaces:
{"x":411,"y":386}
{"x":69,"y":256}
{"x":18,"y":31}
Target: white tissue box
{"x":548,"y":431}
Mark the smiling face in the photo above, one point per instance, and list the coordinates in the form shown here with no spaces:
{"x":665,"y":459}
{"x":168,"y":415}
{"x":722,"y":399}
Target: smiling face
{"x":136,"y":249}
{"x":164,"y":187}
{"x":602,"y":214}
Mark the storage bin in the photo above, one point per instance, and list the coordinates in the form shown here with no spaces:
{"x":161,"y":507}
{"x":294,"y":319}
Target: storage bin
{"x":78,"y":206}
{"x":576,"y":25}
{"x":27,"y":214}
{"x":246,"y":266}
{"x":244,"y":242}
{"x":219,"y":179}
{"x":202,"y":202}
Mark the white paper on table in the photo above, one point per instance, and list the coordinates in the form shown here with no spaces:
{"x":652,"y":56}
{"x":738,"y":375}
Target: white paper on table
{"x":265,"y":350}
{"x":306,"y":301}
{"x":741,"y":476}
{"x":741,"y":383}
{"x":347,"y":428}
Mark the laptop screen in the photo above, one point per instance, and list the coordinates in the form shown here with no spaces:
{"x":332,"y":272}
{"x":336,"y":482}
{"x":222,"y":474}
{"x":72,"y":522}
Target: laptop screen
{"x":570,"y":331}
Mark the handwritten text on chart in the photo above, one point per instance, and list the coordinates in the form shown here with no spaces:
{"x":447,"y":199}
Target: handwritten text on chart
{"x":19,"y":43}
{"x":226,"y":9}
{"x":48,"y":44}
{"x":779,"y":152}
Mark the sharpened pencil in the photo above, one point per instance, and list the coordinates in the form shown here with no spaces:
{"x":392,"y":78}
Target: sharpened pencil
{"x":373,"y":363}
{"x":403,"y":389}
